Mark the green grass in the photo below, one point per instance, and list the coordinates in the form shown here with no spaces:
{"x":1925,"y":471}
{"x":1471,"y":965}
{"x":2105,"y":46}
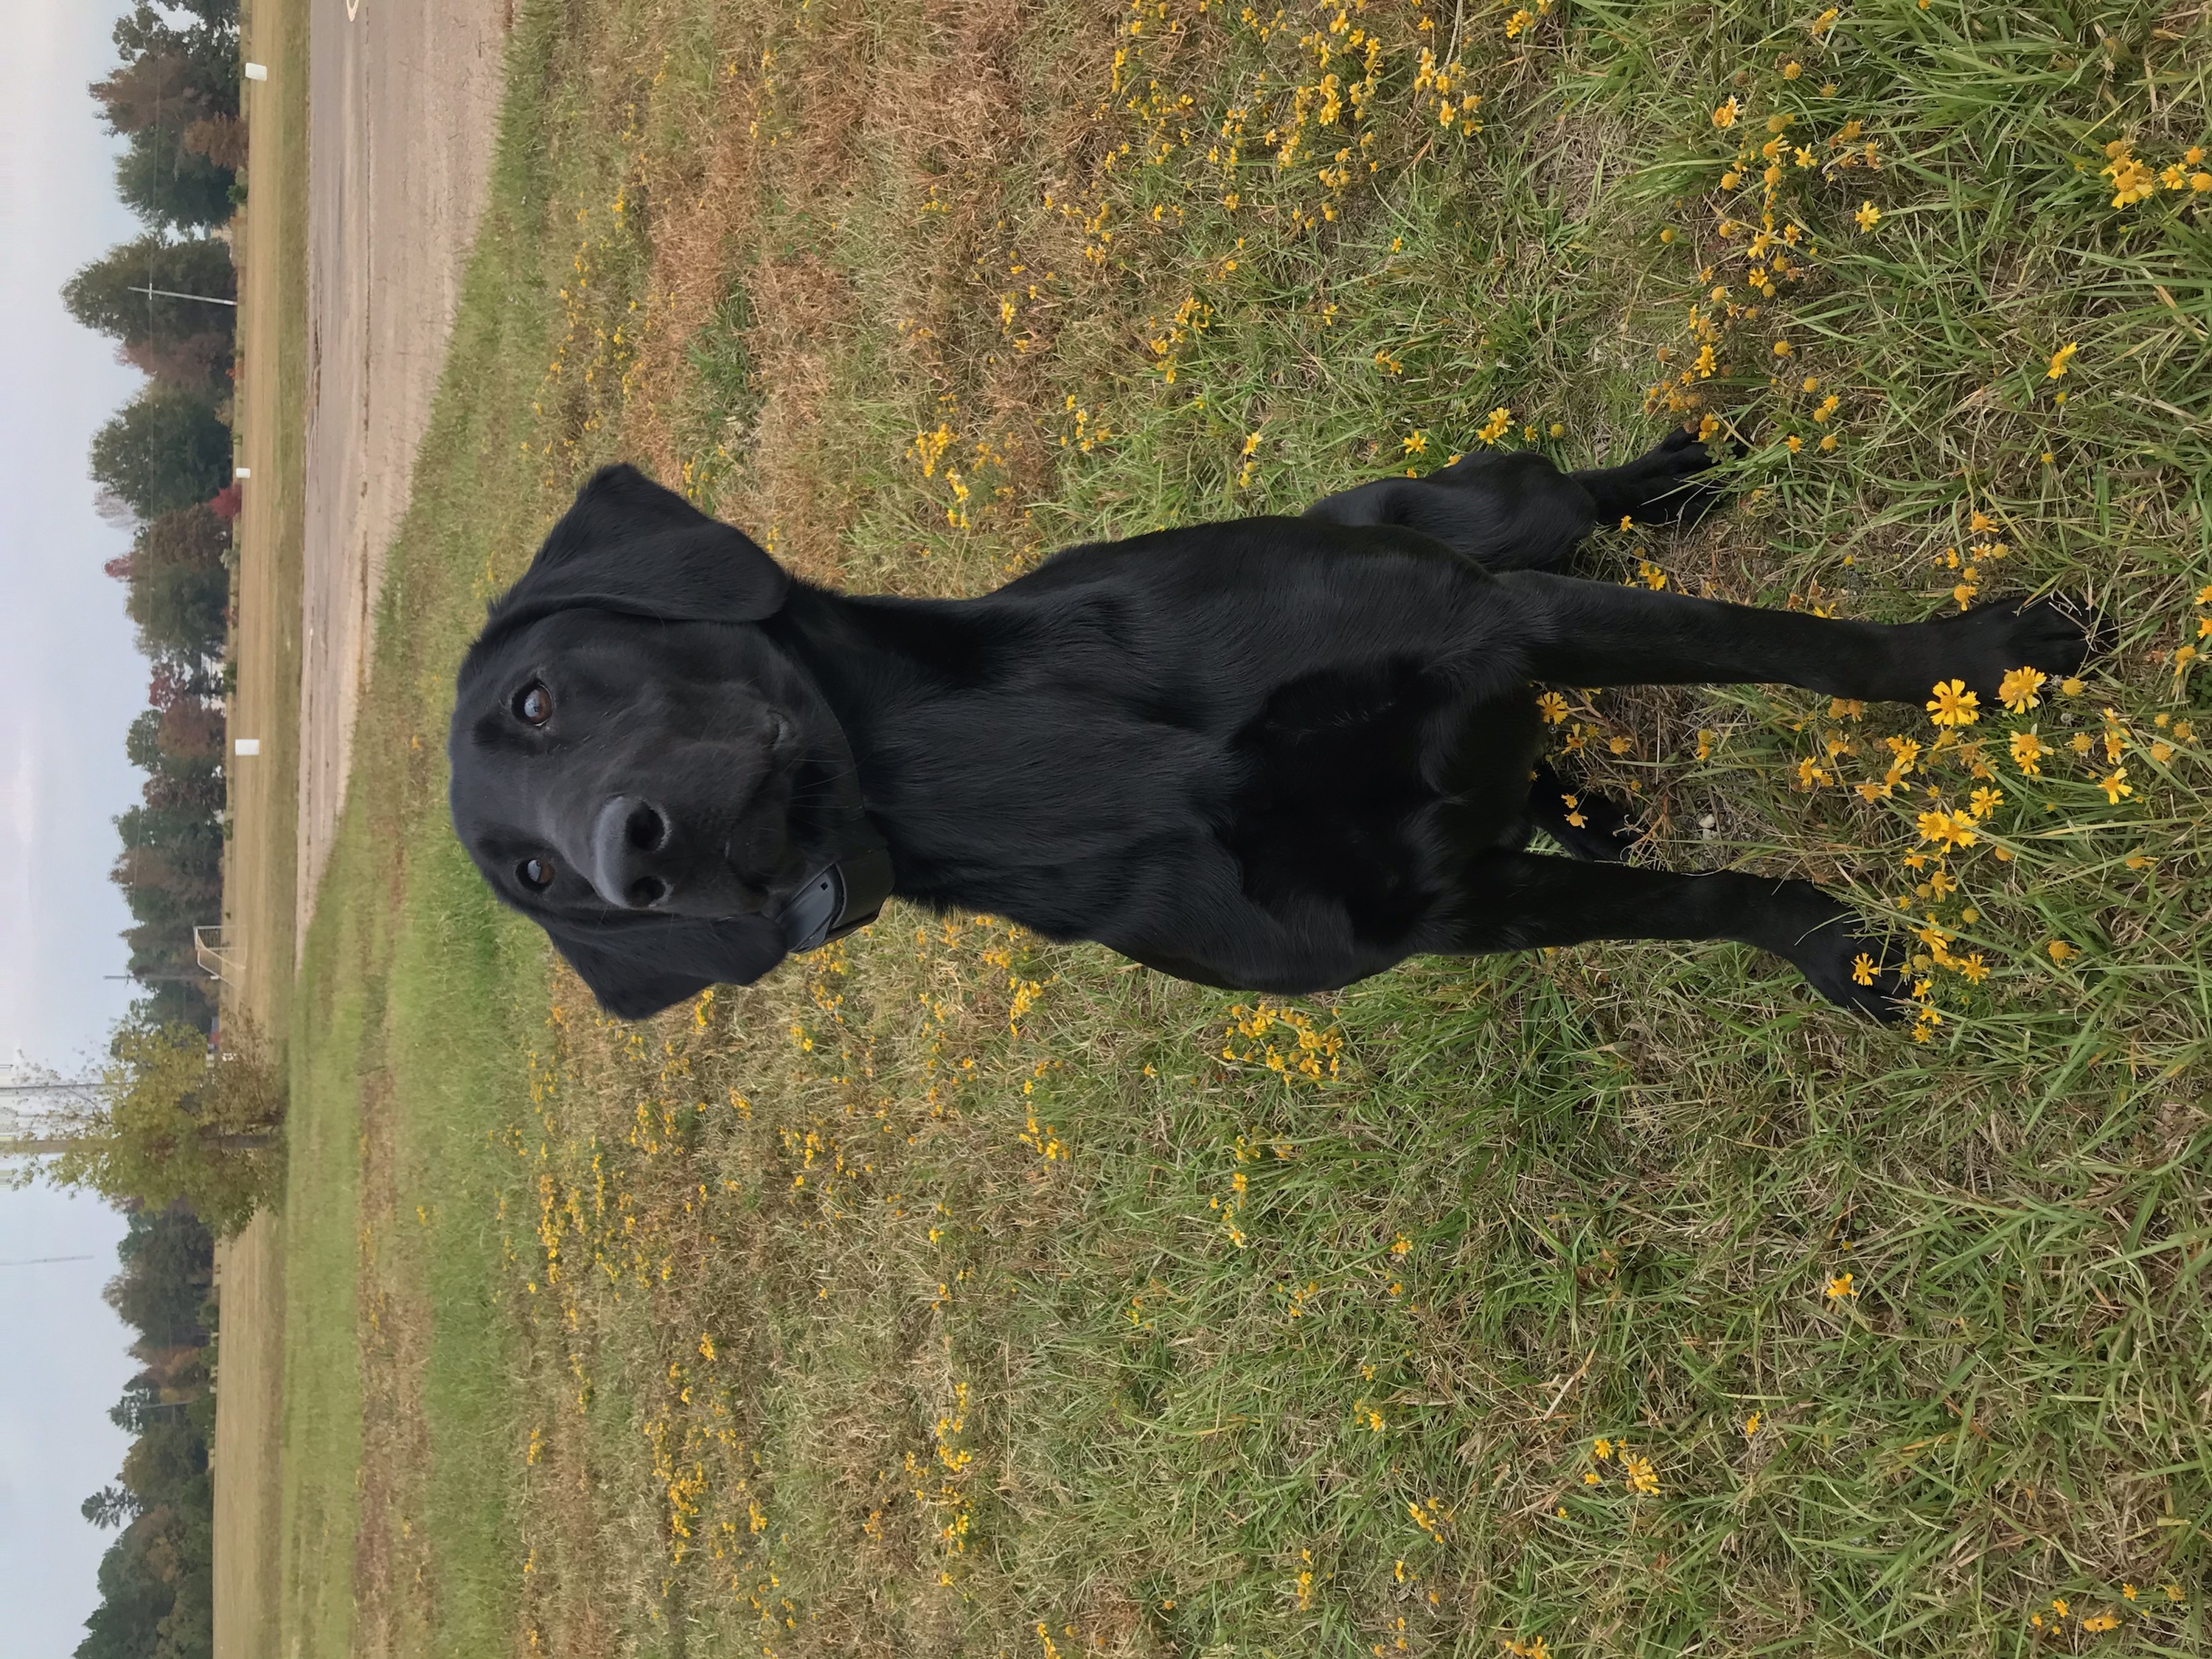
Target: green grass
{"x":956,"y":1292}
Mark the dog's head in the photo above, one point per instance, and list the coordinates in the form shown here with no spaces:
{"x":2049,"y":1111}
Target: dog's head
{"x":635,"y":765}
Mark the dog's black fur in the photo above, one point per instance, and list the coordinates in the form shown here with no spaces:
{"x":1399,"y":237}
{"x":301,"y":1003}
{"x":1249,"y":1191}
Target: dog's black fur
{"x":1277,"y":755}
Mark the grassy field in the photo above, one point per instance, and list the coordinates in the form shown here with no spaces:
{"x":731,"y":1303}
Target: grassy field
{"x":954,"y":1293}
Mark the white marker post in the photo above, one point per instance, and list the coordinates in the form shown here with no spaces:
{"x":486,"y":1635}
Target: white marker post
{"x":246,"y":746}
{"x":257,"y":71}
{"x":242,"y":473}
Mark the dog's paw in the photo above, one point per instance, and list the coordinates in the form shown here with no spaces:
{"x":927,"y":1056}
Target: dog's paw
{"x":1680,"y":454}
{"x":1862,"y":975}
{"x":1606,"y":832}
{"x":1983,"y":644}
{"x":1672,"y":492}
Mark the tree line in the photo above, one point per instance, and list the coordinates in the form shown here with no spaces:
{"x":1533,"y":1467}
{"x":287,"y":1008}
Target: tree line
{"x":179,"y":1140}
{"x":162,"y":464}
{"x":157,"y":1578}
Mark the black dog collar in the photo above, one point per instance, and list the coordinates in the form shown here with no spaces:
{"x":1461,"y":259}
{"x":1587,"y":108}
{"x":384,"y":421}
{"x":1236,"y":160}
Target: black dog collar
{"x":849,"y":891}
{"x":847,"y":895}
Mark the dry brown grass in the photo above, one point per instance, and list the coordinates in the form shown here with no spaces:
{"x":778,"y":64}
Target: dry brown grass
{"x":260,"y":859}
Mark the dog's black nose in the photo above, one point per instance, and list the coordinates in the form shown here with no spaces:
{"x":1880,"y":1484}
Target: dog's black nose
{"x":645,"y":829}
{"x":625,"y":835}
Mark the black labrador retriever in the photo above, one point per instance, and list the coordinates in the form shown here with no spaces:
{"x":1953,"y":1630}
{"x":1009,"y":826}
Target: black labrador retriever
{"x":1275,"y":755}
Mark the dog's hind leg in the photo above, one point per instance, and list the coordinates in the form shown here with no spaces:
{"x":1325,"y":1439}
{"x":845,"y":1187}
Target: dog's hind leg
{"x":1517,"y":511}
{"x":1513,"y":900}
{"x":1598,"y":634}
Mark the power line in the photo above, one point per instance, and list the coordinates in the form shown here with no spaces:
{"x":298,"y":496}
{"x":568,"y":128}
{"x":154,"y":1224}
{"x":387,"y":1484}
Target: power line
{"x":44,"y":1260}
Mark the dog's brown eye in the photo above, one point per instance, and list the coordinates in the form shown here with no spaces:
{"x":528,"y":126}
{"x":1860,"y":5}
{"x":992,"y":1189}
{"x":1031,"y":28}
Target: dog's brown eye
{"x":533,"y":705}
{"x":535,"y":872}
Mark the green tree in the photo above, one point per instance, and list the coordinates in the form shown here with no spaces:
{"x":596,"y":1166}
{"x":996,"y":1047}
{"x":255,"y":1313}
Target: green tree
{"x":111,"y":1506}
{"x":108,"y":294}
{"x":178,"y":81}
{"x":189,"y":838}
{"x":168,"y":1462}
{"x":168,"y":1272}
{"x":134,"y":1596}
{"x":156,"y":1587}
{"x":173,"y":1001}
{"x":166,"y":183}
{"x":180,"y":586}
{"x":169,"y":1126}
{"x":164,"y":449}
{"x":181,"y":611}
{"x":163,"y":899}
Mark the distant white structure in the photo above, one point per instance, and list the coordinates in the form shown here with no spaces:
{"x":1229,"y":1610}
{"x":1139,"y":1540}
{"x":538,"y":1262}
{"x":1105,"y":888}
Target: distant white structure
{"x":245,"y":745}
{"x":257,"y":71}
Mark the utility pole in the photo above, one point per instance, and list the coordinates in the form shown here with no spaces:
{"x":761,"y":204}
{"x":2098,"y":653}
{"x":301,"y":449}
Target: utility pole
{"x":31,"y":1133}
{"x":150,"y":291}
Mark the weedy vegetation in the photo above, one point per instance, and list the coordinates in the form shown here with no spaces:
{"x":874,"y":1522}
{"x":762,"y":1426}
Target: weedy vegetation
{"x":956,"y":1292}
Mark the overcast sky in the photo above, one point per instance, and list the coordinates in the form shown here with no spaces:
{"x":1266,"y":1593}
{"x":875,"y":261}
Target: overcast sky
{"x":73,"y":683}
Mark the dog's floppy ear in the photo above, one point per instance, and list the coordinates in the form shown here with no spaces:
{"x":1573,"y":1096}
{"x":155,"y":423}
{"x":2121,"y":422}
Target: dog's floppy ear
{"x":637,"y":966}
{"x":630,"y":546}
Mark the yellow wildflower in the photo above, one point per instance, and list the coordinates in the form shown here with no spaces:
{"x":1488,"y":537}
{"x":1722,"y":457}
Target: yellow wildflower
{"x":1947,"y":828}
{"x":2061,"y":360}
{"x":1841,"y":1287}
{"x":1868,"y":216}
{"x":1953,"y":705}
{"x":2018,"y":691}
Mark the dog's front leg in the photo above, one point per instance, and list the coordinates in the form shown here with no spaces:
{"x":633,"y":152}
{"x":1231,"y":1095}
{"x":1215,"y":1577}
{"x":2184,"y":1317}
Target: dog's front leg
{"x":1524,"y":901}
{"x":1587,"y":632}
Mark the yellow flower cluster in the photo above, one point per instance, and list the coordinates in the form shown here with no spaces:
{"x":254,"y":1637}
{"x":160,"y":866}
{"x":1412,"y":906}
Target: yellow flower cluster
{"x":2134,"y":180}
{"x":1311,"y":1052}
